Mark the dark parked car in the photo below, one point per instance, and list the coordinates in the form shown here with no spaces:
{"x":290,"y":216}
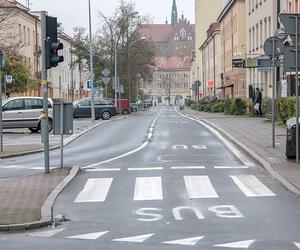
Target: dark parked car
{"x":134,"y":107}
{"x":103,"y":109}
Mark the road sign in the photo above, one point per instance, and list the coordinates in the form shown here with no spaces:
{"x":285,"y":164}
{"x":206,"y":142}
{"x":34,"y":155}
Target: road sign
{"x":289,"y":23}
{"x":289,"y":62}
{"x":89,"y":84}
{"x":106,"y":80}
{"x":268,"y":46}
{"x":238,"y":63}
{"x":120,"y":89}
{"x":250,"y":63}
{"x":106,"y":72}
{"x":8,"y":78}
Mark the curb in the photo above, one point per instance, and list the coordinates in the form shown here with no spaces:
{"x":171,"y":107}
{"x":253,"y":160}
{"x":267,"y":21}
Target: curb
{"x":46,"y":209}
{"x":254,"y":156}
{"x":68,"y":141}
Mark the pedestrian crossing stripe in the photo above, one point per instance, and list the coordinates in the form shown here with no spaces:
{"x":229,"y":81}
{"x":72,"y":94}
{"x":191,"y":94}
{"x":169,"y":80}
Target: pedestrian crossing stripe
{"x":150,"y":188}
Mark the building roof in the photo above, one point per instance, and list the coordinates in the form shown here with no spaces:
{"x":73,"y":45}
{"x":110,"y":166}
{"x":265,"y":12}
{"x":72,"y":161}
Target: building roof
{"x":157,"y":32}
{"x":225,"y":10}
{"x":173,"y":62}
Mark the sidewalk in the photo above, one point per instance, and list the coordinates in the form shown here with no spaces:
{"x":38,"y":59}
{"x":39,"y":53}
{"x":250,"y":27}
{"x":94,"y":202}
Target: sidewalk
{"x":21,"y":141}
{"x":254,"y":136}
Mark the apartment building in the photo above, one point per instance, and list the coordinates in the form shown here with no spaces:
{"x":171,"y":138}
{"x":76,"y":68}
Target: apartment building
{"x":206,"y":12}
{"x":233,"y":45}
{"x":261,"y":23}
{"x":211,"y":67}
{"x":21,"y":32}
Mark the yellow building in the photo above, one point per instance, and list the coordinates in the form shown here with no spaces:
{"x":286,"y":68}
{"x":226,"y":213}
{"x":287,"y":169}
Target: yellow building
{"x":233,"y":36}
{"x":206,"y":12}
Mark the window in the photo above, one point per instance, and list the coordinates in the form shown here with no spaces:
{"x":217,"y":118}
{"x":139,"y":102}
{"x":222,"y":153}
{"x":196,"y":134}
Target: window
{"x":185,"y":76}
{"x":257,"y":36}
{"x":14,"y":105}
{"x":33,"y":104}
{"x":159,"y":85}
{"x":24,"y":34}
{"x":270,"y":29}
{"x":186,"y":85}
{"x":28,"y":36}
{"x":261,"y":33}
{"x":20,"y":32}
{"x":250,"y":44}
{"x":182,"y":34}
{"x":266,"y":29}
{"x":177,"y":85}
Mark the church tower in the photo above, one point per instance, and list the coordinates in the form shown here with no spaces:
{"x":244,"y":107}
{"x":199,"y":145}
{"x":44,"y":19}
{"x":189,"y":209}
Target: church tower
{"x":174,"y":18}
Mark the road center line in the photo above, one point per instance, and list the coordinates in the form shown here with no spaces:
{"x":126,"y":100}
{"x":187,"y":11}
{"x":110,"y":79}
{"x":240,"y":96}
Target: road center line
{"x":230,"y":167}
{"x":103,"y":170}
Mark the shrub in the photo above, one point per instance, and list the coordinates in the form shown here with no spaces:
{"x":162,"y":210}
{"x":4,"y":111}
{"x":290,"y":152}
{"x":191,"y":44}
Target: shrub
{"x":286,"y":107}
{"x":218,"y":107}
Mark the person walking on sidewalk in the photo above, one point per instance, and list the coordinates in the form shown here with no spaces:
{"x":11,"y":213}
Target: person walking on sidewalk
{"x":258,"y":101}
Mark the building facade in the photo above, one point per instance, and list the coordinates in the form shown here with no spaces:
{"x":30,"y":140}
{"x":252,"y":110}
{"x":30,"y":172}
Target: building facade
{"x":174,"y":44}
{"x":233,"y":45}
{"x":206,"y":13}
{"x":211,"y":68}
{"x":261,"y":23}
{"x":22,"y":34}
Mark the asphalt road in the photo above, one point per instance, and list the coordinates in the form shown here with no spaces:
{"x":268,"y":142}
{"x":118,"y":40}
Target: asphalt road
{"x":177,"y":186}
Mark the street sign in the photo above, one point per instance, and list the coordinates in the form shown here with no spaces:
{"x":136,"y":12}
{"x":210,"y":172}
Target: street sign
{"x":268,"y":46}
{"x":289,"y":62}
{"x":289,"y":23}
{"x":89,"y":84}
{"x":120,"y":89}
{"x":8,"y":79}
{"x":250,"y":63}
{"x":106,"y":72}
{"x":118,"y":82}
{"x":238,"y":63}
{"x":106,"y":80}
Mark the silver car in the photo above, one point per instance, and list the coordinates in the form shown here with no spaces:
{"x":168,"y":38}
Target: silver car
{"x":24,"y":112}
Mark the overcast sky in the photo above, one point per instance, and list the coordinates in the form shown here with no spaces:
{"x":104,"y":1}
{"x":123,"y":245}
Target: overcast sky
{"x":73,"y":13}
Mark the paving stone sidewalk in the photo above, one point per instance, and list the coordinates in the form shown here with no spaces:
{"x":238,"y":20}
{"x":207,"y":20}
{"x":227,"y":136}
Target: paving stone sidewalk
{"x":256,"y":134}
{"x":22,"y":197}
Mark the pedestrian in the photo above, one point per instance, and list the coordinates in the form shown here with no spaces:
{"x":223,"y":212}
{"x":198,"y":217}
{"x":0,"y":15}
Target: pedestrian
{"x":257,"y":102}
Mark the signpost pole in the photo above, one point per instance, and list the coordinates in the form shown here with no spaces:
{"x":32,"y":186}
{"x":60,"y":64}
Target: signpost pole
{"x":297,"y":90}
{"x":1,"y":132}
{"x":61,"y":125}
{"x":273,"y":94}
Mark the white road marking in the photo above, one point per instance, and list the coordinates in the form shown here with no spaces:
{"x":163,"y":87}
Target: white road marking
{"x":135,"y":239}
{"x":117,"y":157}
{"x":150,"y":135}
{"x":180,"y":146}
{"x":251,"y":186}
{"x":145,"y":169}
{"x":46,"y":234}
{"x":238,"y":244}
{"x":199,"y":146}
{"x":230,"y":167}
{"x":103,"y":170}
{"x":187,"y":167}
{"x":185,"y":242}
{"x":199,"y":187}
{"x":148,"y":188}
{"x":297,"y":244}
{"x":89,"y":236}
{"x":151,"y":130}
{"x":95,"y":190}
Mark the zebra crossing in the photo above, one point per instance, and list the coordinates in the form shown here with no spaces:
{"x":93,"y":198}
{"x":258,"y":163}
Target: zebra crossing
{"x":151,"y":188}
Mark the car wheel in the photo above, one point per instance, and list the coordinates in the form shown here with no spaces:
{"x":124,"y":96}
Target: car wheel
{"x":106,"y":115}
{"x":50,"y":126}
{"x":34,"y":130}
{"x":125,"y":112}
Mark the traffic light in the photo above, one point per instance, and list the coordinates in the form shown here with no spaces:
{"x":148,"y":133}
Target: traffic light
{"x":52,"y":43}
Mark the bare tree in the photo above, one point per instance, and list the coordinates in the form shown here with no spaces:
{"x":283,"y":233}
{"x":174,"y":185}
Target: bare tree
{"x":9,"y":31}
{"x":167,"y":84}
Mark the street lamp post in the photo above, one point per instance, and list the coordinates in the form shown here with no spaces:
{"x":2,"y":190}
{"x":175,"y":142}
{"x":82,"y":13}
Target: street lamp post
{"x":91,"y":67}
{"x":129,"y":66}
{"x":116,"y":75}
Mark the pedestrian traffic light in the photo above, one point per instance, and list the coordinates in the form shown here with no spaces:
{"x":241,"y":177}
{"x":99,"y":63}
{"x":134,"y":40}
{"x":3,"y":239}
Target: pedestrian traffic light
{"x":52,"y":43}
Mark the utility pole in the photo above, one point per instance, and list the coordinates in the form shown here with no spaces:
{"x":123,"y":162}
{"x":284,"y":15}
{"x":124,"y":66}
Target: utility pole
{"x":91,"y":66}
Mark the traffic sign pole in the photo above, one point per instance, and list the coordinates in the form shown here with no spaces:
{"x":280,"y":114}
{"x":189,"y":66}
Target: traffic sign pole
{"x":1,"y":66}
{"x":297,"y":91}
{"x":273,"y":95}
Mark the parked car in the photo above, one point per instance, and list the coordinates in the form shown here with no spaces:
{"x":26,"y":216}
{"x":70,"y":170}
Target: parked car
{"x":134,"y":107}
{"x":24,"y":112}
{"x":103,"y":109}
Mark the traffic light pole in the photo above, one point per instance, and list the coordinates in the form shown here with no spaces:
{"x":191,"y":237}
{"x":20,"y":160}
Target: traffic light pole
{"x":44,"y":115}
